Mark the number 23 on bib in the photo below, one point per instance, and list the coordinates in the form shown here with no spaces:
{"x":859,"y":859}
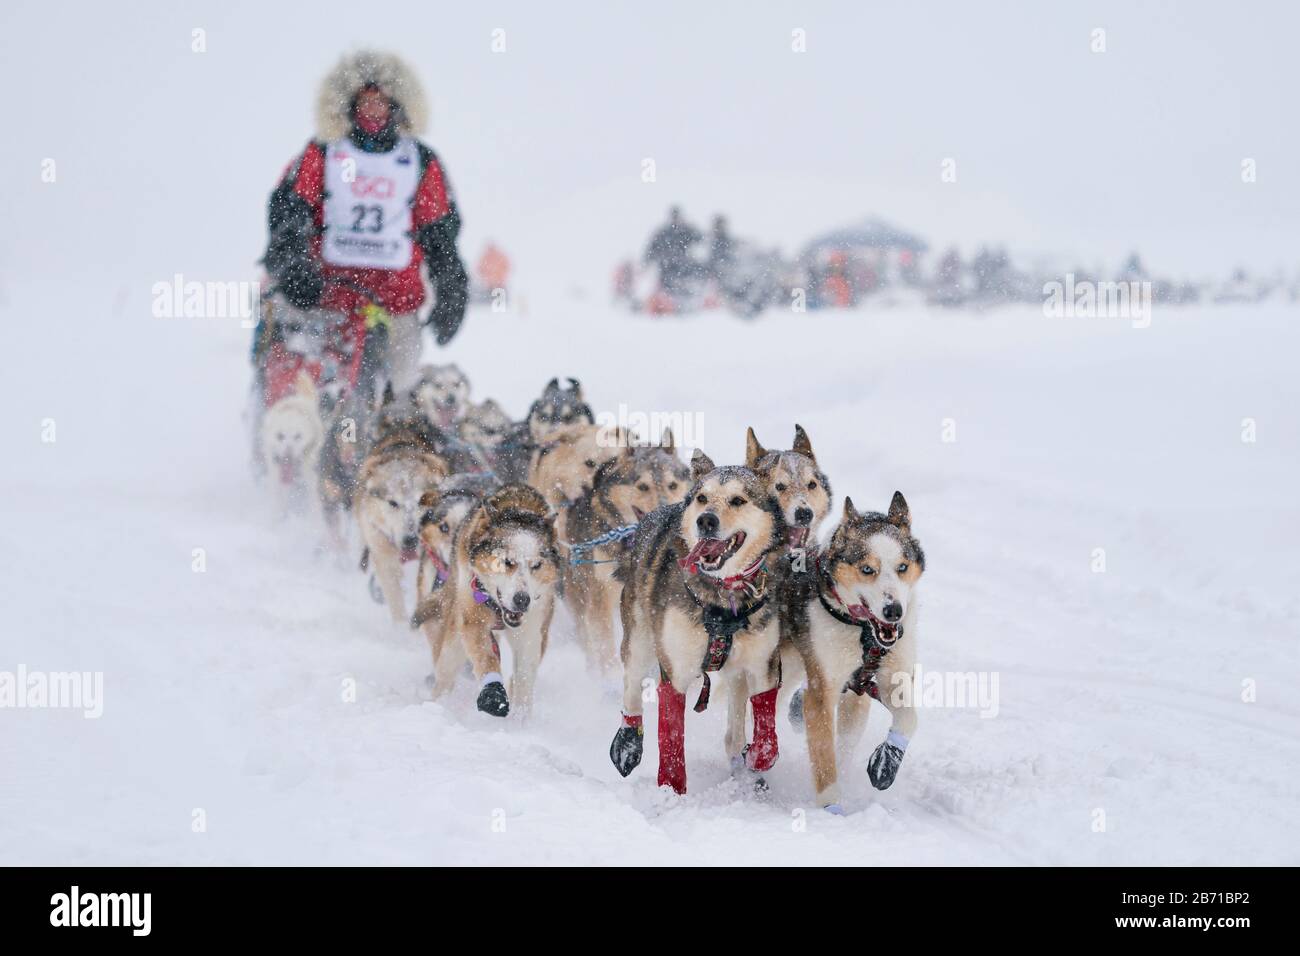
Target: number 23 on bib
{"x":368,"y":205}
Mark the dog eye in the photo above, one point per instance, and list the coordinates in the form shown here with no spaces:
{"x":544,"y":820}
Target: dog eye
{"x":536,"y":565}
{"x":812,"y":486}
{"x":902,"y":568}
{"x":701,"y":499}
{"x":736,"y":501}
{"x":444,"y":527}
{"x":393,"y":503}
{"x":510,"y":564}
{"x":643,"y":487}
{"x":868,"y":570}
{"x":590,"y":463}
{"x":780,"y":486}
{"x":672,"y":486}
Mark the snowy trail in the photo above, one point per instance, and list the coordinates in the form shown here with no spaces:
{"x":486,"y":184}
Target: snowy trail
{"x":1118,"y":691}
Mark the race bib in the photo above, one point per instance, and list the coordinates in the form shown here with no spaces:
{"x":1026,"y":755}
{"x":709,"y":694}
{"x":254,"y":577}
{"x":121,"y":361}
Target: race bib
{"x":368,"y":204}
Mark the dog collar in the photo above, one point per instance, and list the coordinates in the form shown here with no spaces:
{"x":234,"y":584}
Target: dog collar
{"x":752,"y":580}
{"x":874,"y":635}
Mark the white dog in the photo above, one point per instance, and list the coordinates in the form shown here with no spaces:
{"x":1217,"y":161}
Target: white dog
{"x":291,"y":438}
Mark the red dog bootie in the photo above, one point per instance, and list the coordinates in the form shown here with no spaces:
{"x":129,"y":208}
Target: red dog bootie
{"x":762,"y":753}
{"x":672,"y":738}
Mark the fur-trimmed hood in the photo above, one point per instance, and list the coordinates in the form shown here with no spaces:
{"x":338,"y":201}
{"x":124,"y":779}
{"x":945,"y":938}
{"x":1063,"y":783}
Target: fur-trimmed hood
{"x":358,"y":70}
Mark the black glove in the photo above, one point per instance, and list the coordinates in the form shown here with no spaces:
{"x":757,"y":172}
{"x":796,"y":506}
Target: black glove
{"x":492,"y":699}
{"x":445,"y":323}
{"x":626,"y":749}
{"x":437,"y":240}
{"x":302,"y":284}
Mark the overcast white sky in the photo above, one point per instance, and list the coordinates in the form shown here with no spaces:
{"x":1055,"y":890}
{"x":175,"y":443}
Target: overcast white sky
{"x":165,"y":156}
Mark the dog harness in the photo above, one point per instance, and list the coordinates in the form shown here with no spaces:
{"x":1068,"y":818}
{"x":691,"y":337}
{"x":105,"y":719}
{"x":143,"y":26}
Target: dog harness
{"x":722,"y":623}
{"x":875,"y":636}
{"x":482,"y":597}
{"x":439,"y":566}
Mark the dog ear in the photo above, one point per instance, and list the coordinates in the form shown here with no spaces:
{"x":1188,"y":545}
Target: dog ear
{"x":802,"y":445}
{"x":576,"y":388}
{"x":701,"y":465}
{"x":850,"y":512}
{"x":753,"y":450}
{"x":899,"y":513}
{"x":666,"y":439}
{"x":605,"y":468}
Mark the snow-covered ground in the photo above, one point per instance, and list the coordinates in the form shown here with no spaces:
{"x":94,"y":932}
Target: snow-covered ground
{"x":1119,"y":692}
{"x":136,"y":152}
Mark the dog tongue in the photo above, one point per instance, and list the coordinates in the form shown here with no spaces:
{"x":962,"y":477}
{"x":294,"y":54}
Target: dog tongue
{"x":795,"y":537}
{"x":860,"y":612}
{"x":286,"y":472}
{"x":707,"y":548}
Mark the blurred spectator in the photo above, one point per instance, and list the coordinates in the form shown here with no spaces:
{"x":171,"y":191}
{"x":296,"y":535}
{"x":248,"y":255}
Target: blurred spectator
{"x":670,"y":250}
{"x":493,"y":269}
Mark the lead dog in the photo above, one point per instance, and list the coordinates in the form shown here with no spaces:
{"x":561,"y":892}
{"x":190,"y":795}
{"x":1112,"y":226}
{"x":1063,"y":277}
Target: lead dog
{"x":803,"y":493}
{"x":502,"y":584}
{"x":695,"y":601}
{"x":856,"y":638}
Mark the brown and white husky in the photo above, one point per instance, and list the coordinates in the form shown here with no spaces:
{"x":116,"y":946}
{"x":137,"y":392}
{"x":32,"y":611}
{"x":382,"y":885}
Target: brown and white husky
{"x":695,"y":600}
{"x":855,"y":637}
{"x":502,"y":585}
{"x":623,"y":490}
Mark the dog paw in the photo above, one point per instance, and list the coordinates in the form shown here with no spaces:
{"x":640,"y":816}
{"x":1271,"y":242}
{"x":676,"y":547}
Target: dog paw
{"x":492,"y":699}
{"x":883,"y":765}
{"x":625,"y":751}
{"x":796,"y":709}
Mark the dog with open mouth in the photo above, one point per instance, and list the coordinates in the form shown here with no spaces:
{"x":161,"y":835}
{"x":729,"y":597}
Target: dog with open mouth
{"x":291,"y":436}
{"x":441,"y":393}
{"x":484,"y":428}
{"x":856,"y":641}
{"x":623,"y":490}
{"x":695,"y":601}
{"x":803,"y":491}
{"x":501,"y":585}
{"x":386,"y":503}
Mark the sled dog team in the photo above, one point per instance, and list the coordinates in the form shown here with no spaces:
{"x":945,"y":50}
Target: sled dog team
{"x":714,"y":572}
